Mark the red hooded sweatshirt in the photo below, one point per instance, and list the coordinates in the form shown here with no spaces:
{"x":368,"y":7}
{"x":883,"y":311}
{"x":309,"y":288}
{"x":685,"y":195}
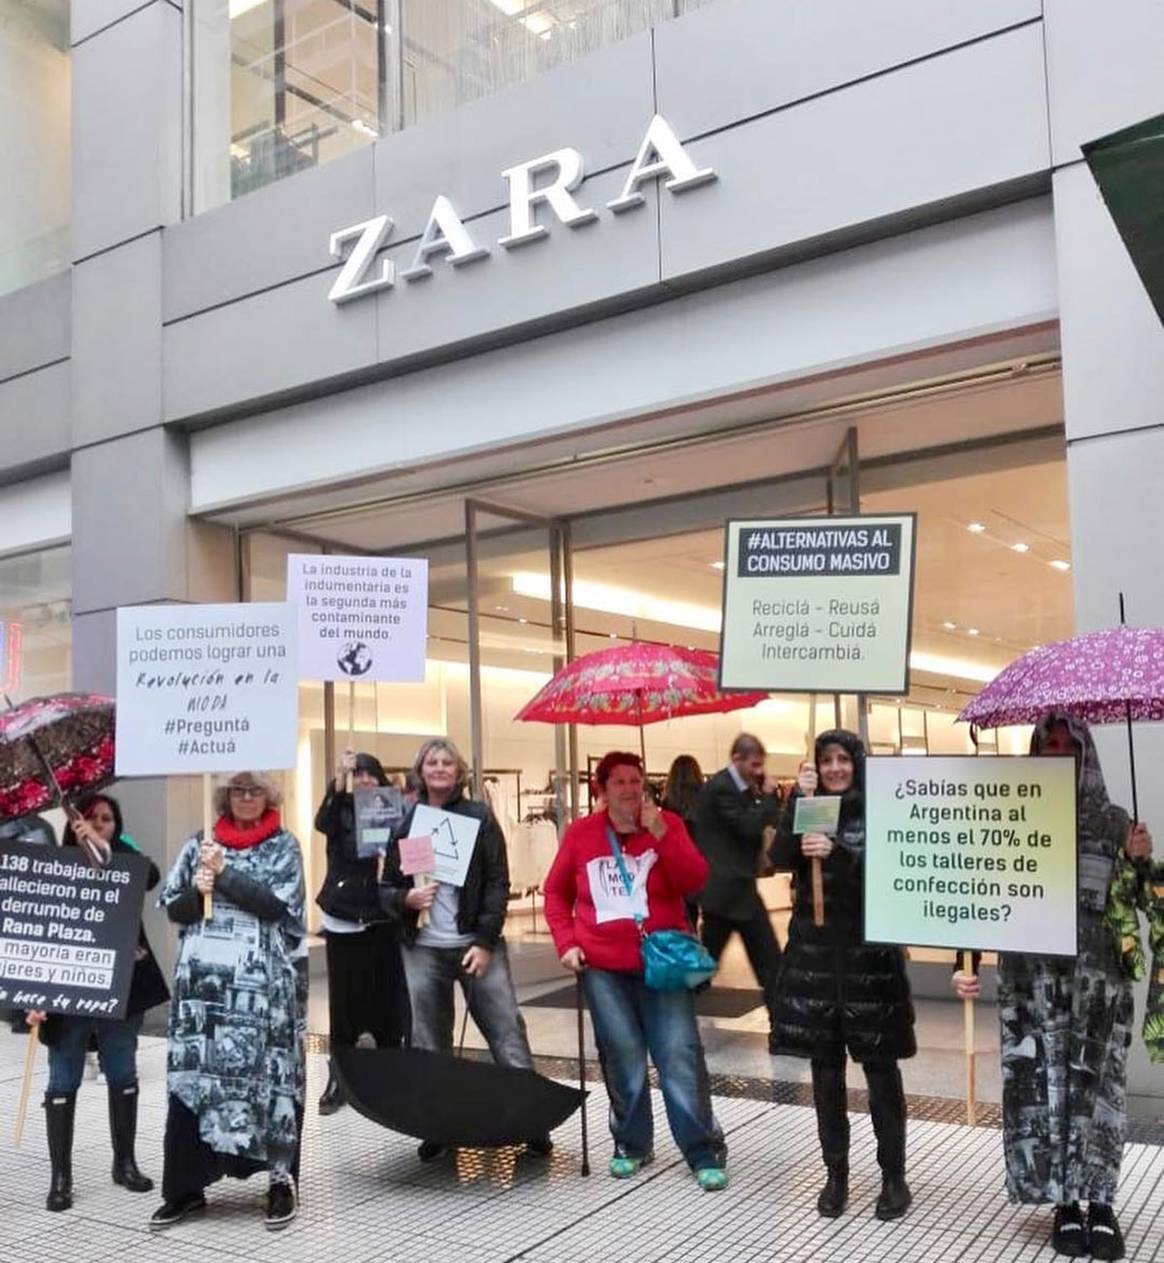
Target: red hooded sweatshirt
{"x":586,"y":901}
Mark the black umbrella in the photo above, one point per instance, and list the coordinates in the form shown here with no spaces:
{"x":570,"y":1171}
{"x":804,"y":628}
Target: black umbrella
{"x":450,"y":1100}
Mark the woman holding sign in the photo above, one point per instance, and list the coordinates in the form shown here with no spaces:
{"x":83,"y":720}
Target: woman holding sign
{"x":835,"y":993}
{"x":365,"y":975}
{"x":628,"y":866}
{"x":235,"y":1063}
{"x":460,"y":938}
{"x":1066,"y":1023}
{"x":97,"y":828}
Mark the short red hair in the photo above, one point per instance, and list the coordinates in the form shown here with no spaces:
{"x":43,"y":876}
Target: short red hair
{"x":616,"y":758}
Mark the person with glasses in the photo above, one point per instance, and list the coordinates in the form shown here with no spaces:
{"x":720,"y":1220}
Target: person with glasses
{"x":235,"y":1063}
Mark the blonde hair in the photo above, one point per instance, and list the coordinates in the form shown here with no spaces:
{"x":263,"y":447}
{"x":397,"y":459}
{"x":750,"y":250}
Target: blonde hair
{"x":441,"y":743}
{"x":264,"y":780}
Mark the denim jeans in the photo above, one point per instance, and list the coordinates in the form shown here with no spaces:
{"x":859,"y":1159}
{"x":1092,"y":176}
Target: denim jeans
{"x":116,"y":1052}
{"x":432,"y":972}
{"x":630,"y":1020}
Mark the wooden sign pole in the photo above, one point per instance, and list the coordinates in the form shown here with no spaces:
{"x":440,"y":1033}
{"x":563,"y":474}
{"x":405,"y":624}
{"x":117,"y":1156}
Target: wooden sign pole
{"x":26,"y":1082}
{"x":968,"y":1014}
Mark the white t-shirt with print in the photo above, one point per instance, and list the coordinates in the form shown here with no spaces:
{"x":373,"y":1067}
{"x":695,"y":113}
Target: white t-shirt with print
{"x":608,"y":890}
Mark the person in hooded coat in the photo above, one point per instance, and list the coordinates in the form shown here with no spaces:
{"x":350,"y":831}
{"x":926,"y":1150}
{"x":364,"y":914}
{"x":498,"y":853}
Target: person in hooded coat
{"x":365,"y":974}
{"x":1066,"y":1024}
{"x":836,"y":994}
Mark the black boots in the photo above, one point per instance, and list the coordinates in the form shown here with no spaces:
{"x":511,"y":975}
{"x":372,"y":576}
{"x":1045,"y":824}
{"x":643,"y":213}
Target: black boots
{"x":59,"y":1111}
{"x":333,"y":1095}
{"x":887,"y":1110}
{"x":832,"y":1125}
{"x":123,"y":1134}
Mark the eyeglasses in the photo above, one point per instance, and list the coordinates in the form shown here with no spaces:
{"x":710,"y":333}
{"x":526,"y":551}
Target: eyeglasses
{"x":247,"y":791}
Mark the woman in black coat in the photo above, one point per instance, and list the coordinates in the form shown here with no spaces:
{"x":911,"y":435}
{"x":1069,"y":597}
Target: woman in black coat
{"x":365,"y":977}
{"x":837,"y":994}
{"x":98,"y":828}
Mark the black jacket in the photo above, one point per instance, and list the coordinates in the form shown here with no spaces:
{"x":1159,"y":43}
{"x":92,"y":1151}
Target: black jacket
{"x":729,"y":830}
{"x":349,"y":890}
{"x":834,"y":991}
{"x":485,"y":894}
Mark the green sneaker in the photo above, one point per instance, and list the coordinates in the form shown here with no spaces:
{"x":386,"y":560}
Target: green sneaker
{"x":623,"y":1167}
{"x":711,"y":1179}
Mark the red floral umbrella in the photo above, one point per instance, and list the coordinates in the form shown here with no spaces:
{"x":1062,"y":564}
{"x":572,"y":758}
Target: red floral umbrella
{"x":51,"y":746}
{"x":635,"y":684}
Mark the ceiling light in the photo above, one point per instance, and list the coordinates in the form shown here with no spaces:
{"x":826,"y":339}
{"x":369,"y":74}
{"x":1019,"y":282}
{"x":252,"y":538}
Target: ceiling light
{"x":523,"y":620}
{"x":239,"y":7}
{"x":976,"y":528}
{"x":950,"y":626}
{"x":719,"y":565}
{"x":939,"y":664}
{"x":605,"y":598}
{"x":509,"y":7}
{"x":1059,"y":564}
{"x":502,"y":609}
{"x":1020,"y":547}
{"x":365,"y":129}
{"x":538,"y":23}
{"x":972,"y":631}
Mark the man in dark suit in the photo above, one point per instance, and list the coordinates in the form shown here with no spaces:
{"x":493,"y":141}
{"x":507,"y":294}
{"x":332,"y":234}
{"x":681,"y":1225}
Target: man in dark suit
{"x":731,"y":814}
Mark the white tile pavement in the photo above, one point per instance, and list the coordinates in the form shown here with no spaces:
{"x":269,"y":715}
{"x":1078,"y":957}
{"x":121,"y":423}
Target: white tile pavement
{"x":365,"y":1196}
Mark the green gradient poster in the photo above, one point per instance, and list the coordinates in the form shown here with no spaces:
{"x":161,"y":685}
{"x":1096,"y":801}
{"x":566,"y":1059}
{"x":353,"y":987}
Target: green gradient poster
{"x":972,"y":852}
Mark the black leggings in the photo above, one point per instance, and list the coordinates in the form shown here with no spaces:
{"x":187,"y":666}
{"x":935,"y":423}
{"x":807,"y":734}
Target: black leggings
{"x":886,"y":1109}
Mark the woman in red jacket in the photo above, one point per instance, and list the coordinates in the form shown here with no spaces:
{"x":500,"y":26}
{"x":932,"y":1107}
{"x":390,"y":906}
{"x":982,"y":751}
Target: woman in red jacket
{"x":592,"y":919}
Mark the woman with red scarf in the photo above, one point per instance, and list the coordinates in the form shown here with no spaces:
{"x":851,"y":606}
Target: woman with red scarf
{"x":235,"y":1065}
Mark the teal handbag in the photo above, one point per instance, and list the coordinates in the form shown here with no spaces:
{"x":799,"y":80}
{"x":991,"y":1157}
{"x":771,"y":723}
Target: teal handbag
{"x":672,"y":959}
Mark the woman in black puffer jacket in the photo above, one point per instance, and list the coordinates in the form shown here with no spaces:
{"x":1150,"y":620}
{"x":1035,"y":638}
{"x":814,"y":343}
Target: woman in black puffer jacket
{"x":836,"y":993}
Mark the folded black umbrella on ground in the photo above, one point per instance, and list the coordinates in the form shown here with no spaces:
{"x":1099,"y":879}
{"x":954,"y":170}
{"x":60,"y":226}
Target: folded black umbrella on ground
{"x":451,"y":1100}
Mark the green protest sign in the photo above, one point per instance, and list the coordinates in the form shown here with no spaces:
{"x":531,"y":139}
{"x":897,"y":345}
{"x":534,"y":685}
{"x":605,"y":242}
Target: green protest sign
{"x":968,"y":852}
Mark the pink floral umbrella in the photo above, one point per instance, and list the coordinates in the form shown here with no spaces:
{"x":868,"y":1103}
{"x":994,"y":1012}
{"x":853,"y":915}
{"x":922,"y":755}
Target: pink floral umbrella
{"x":638,"y":684}
{"x":1104,"y":677}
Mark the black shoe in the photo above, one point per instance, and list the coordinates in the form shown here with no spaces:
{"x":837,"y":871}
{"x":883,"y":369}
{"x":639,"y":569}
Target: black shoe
{"x":834,"y":1197}
{"x":123,"y":1132}
{"x":1104,"y":1239}
{"x":543,"y":1146}
{"x":170,"y":1213}
{"x":1068,"y":1235}
{"x":282,"y":1206}
{"x":895,"y":1197}
{"x":430,"y":1150}
{"x":59,"y":1112}
{"x":332,"y":1099}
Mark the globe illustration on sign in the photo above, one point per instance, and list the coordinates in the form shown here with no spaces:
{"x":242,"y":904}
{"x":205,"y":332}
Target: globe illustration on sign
{"x":355,"y":658}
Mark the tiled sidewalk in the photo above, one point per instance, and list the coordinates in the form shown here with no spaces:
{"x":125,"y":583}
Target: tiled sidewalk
{"x":366,"y":1197}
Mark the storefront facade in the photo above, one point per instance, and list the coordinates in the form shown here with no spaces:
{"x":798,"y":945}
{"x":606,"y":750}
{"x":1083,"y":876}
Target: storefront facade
{"x":591,"y":312}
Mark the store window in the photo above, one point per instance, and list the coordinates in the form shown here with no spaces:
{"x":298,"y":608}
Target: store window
{"x":36,"y":641}
{"x":34,"y":140}
{"x":284,"y":85}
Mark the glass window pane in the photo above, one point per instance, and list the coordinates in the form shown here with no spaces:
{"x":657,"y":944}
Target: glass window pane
{"x":36,"y":637}
{"x":466,"y":49}
{"x":35,"y":140}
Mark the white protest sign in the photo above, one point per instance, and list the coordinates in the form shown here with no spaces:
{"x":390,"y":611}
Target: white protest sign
{"x":818,"y":604}
{"x":454,"y":838}
{"x":360,"y":618}
{"x":206,"y":688}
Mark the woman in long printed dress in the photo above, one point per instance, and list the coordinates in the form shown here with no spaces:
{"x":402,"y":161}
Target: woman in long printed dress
{"x":236,"y":1051}
{"x":1066,"y":1024}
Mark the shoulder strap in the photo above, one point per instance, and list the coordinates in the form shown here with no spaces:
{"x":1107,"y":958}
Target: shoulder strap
{"x":627,"y":881}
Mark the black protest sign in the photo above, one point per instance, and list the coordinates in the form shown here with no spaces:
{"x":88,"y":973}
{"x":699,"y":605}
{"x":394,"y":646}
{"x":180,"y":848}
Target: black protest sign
{"x":68,"y":932}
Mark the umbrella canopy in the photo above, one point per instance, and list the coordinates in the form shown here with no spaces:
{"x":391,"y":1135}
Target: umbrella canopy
{"x":635,"y":684}
{"x":68,"y":736}
{"x":1128,"y":166}
{"x":1104,"y":677}
{"x":450,"y":1100}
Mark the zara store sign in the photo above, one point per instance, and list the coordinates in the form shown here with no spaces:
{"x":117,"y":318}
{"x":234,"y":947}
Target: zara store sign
{"x":550,"y":181}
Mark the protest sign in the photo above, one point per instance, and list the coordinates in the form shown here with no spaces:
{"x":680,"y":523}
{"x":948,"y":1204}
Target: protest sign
{"x":68,"y":931}
{"x":818,"y":605}
{"x":360,"y":618}
{"x":378,"y":815}
{"x":416,"y":856}
{"x":817,"y":815}
{"x":969,"y":852}
{"x":454,"y":838}
{"x":206,"y":688}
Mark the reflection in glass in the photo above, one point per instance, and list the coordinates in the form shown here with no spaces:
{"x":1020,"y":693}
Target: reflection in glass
{"x":36,"y":637}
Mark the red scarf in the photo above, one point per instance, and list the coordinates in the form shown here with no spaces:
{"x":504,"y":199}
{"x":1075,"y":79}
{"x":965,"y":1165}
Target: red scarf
{"x":237,"y":838}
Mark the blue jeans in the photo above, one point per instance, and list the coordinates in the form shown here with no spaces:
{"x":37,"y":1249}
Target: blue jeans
{"x":630,"y":1020}
{"x":116,"y":1052}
